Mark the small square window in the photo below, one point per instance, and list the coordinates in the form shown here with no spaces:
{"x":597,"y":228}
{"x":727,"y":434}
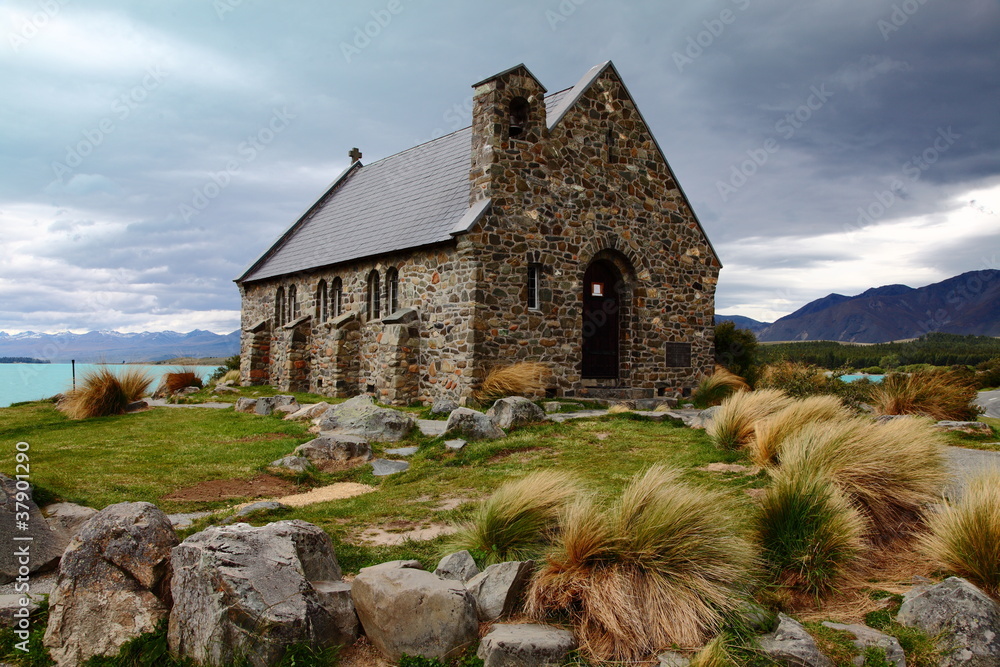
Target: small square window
{"x":678,"y":355}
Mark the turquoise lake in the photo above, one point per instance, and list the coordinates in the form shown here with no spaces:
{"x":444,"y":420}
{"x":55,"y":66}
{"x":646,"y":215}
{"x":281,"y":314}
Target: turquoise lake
{"x":32,"y":382}
{"x":852,"y":378}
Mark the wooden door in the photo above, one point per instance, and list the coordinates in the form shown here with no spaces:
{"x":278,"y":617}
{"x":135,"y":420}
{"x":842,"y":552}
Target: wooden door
{"x":601,"y":310}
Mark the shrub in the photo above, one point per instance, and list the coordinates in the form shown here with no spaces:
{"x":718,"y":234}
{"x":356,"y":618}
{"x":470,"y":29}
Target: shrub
{"x":771,"y":431}
{"x":964,"y":535}
{"x":231,"y":364}
{"x":661,"y":566}
{"x":513,"y":523}
{"x":888,"y":471}
{"x":937,"y":395}
{"x":717,"y":386}
{"x":525,"y":378}
{"x":808,"y":532}
{"x":733,"y":424}
{"x":181,"y":378}
{"x":794,"y":378}
{"x":736,"y":349}
{"x":988,"y":374}
{"x":102,"y":393}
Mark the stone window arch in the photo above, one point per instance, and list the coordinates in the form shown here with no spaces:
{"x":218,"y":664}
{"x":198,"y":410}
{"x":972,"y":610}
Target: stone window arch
{"x":374,"y":296}
{"x":391,"y":291}
{"x":336,"y":297}
{"x":322,"y":302}
{"x":279,"y":307}
{"x":293,"y":303}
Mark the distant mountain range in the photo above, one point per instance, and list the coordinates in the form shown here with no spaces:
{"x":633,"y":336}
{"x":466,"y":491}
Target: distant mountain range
{"x":111,"y":346}
{"x":967,"y":304}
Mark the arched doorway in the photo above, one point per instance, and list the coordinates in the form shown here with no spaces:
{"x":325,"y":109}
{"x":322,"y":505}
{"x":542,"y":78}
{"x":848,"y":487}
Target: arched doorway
{"x":601,"y":320}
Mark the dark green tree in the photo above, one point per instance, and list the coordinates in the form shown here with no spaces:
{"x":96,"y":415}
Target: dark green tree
{"x":736,"y":349}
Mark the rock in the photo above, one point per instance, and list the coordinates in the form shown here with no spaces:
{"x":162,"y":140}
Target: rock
{"x":525,"y":645}
{"x":552,"y":406}
{"x":974,"y":428}
{"x":968,"y":619}
{"x":11,"y":609}
{"x":790,"y":644}
{"x":360,"y":416}
{"x":673,"y":659}
{"x":187,"y":391}
{"x":703,"y":418}
{"x":756,"y":618}
{"x":498,"y":588}
{"x":515,"y":411}
{"x":458,"y":566}
{"x":402,"y":451}
{"x":472,"y":424}
{"x":309,"y":412}
{"x":443,"y":406}
{"x":335,"y":447}
{"x":112,"y":584}
{"x":254,"y":508}
{"x":247,"y":405}
{"x":286,"y":410}
{"x":293,"y":463}
{"x":865,"y":637}
{"x":268,"y":404}
{"x":398,"y":564}
{"x":241,"y":590}
{"x":45,"y":546}
{"x":136,"y":405}
{"x":225,"y":389}
{"x":455,"y":445}
{"x":383,"y":467}
{"x":335,"y":597}
{"x":404,"y":610}
{"x":66,"y":519}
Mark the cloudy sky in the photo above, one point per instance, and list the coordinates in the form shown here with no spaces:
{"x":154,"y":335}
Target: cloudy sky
{"x":152,"y":150}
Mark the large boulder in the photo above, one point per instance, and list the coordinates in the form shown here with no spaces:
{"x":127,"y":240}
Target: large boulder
{"x":113,"y":583}
{"x":459,"y":566}
{"x":360,"y":416}
{"x":44,"y":548}
{"x":66,"y":520}
{"x":268,"y":404}
{"x":515,"y":411}
{"x":406,"y":610}
{"x":967,"y":619}
{"x":307,"y":412}
{"x":241,"y":590}
{"x":335,"y":447}
{"x":247,"y":405}
{"x":443,"y":406}
{"x":865,"y":637}
{"x":790,"y":644}
{"x":525,"y":645}
{"x":498,"y":588}
{"x":472,"y":424}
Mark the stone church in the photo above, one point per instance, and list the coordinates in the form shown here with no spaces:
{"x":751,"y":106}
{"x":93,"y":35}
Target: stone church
{"x":564,"y":238}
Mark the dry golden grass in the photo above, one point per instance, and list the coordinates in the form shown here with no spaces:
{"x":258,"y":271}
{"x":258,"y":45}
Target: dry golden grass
{"x":525,"y":378}
{"x":619,"y":408}
{"x":514,"y":523}
{"x":964,"y":535}
{"x":733,"y":424}
{"x":765,"y":445}
{"x":804,"y":378}
{"x":659,"y":568}
{"x":102,"y":393}
{"x":717,"y":386}
{"x":713,"y":654}
{"x":231,"y":376}
{"x":937,"y":395}
{"x":889,"y":471}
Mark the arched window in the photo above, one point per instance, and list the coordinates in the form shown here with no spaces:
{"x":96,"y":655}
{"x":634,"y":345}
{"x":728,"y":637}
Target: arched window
{"x":518,"y":116}
{"x":374,"y":296}
{"x":293,"y":303}
{"x":391,"y":291}
{"x":336,"y":297}
{"x":279,"y":307}
{"x":322,"y":302}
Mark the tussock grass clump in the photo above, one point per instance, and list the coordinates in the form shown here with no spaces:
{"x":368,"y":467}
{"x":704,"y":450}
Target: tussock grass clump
{"x":733,"y":424}
{"x":769,"y":433}
{"x":181,"y":378}
{"x":808,"y":531}
{"x":102,"y":393}
{"x":964,"y":536}
{"x":231,"y":376}
{"x":525,"y":378}
{"x":888,"y":471}
{"x":659,"y":567}
{"x":717,"y":386}
{"x":618,"y":409}
{"x":514,"y":523}
{"x":793,"y":377}
{"x":937,"y":395}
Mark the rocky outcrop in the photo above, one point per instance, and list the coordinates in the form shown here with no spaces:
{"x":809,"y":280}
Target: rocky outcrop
{"x":241,"y":590}
{"x":967,"y":619}
{"x":498,"y":588}
{"x":335,"y":447}
{"x":45,"y":546}
{"x":473,"y":425}
{"x":113,"y":583}
{"x":515,"y":411}
{"x":458,"y":566}
{"x":865,"y":637}
{"x":406,"y":610}
{"x":360,"y":416}
{"x":525,"y":645}
{"x":790,"y":644}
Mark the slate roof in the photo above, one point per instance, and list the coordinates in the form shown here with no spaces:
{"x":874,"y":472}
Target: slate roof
{"x":407,"y":200}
